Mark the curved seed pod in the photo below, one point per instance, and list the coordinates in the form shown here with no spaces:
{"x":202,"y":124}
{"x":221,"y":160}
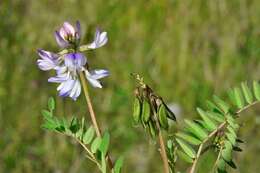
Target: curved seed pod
{"x":162,"y":116}
{"x":146,"y":111}
{"x":137,"y":110}
{"x":152,"y":129}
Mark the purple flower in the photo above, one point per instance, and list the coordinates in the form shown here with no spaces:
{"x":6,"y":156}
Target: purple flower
{"x":68,"y":35}
{"x":100,"y":40}
{"x":48,"y":60}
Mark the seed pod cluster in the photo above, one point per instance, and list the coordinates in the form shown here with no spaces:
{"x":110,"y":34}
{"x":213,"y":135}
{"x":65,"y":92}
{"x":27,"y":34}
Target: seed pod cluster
{"x":150,"y":110}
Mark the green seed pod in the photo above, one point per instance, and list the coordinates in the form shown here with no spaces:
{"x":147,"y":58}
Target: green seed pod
{"x":137,"y":110}
{"x":162,"y":116}
{"x":146,"y":111}
{"x":152,"y":129}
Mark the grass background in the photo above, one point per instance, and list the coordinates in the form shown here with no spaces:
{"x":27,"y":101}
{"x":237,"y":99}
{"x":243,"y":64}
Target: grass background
{"x":187,"y":50}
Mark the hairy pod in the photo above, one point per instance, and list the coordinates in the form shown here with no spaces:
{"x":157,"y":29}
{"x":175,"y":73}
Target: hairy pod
{"x":137,"y":110}
{"x":162,"y":117}
{"x":146,"y":111}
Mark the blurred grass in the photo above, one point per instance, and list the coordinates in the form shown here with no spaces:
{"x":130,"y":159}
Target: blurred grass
{"x":187,"y":50}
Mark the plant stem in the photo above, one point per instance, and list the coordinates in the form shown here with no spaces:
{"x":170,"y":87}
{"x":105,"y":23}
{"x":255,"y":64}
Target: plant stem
{"x":90,"y":107}
{"x":162,"y":148}
{"x":195,"y":161}
{"x":92,"y":113}
{"x":163,"y":153}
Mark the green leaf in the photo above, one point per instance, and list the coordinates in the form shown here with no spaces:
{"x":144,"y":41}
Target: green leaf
{"x":184,"y":156}
{"x":95,"y":144}
{"x":118,"y":165}
{"x":216,"y":116}
{"x":189,"y":138}
{"x":47,"y":115}
{"x":105,"y":143}
{"x":74,"y":125}
{"x":209,"y":124}
{"x":227,"y":151}
{"x":221,"y":164}
{"x":186,"y":148}
{"x":256,"y":88}
{"x":222,"y":104}
{"x":196,"y":130}
{"x":51,"y":104}
{"x":239,"y":98}
{"x":247,"y":93}
{"x":213,"y":107}
{"x":89,"y":135}
{"x":231,"y":138}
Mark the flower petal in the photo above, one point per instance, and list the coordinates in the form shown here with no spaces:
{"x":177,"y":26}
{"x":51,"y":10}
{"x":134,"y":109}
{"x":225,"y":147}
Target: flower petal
{"x":94,"y":82}
{"x":76,"y":90}
{"x":65,"y":88}
{"x":60,"y":40}
{"x":98,"y":74}
{"x":78,"y":30}
{"x":100,"y":40}
{"x":69,"y":29}
{"x":49,"y":60}
{"x":75,"y":60}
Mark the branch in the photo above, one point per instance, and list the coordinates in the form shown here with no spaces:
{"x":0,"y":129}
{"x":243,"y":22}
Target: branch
{"x":222,"y":125}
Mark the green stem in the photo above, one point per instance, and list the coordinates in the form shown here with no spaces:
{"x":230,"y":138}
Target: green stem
{"x":92,"y":113}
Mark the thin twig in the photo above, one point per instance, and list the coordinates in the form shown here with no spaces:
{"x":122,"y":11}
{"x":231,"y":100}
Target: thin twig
{"x":216,"y":162}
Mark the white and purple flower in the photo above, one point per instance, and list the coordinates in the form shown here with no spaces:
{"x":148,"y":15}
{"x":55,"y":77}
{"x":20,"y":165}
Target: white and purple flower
{"x":67,"y":72}
{"x":68,"y":66}
{"x":68,"y":35}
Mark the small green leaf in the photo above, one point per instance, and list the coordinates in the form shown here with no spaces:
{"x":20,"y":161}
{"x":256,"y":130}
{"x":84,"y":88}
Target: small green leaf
{"x":216,"y":116}
{"x":105,"y":143}
{"x":95,"y":144}
{"x":196,"y":129}
{"x":74,"y":125}
{"x":209,"y":124}
{"x":118,"y":165}
{"x":221,"y":164}
{"x":213,"y":107}
{"x":46,"y":114}
{"x":51,"y":104}
{"x":189,"y":138}
{"x":184,"y":156}
{"x":222,"y":104}
{"x":89,"y":135}
{"x":256,"y":88}
{"x":186,"y":148}
{"x":247,"y":93}
{"x":231,"y":138}
{"x":227,"y":151}
{"x":239,"y":98}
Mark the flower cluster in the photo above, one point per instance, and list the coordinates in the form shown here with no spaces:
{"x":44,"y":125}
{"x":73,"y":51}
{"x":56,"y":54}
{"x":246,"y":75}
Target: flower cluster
{"x":69,"y":65}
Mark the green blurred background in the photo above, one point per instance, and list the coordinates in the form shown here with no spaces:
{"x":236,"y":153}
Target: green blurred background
{"x":187,"y":50}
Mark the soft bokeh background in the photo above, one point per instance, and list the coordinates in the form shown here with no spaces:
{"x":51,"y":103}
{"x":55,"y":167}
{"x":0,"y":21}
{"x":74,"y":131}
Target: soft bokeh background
{"x":187,"y":50}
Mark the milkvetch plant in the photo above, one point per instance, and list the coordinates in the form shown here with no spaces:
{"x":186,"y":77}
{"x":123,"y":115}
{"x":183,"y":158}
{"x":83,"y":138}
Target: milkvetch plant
{"x":216,"y":129}
{"x":72,"y":73}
